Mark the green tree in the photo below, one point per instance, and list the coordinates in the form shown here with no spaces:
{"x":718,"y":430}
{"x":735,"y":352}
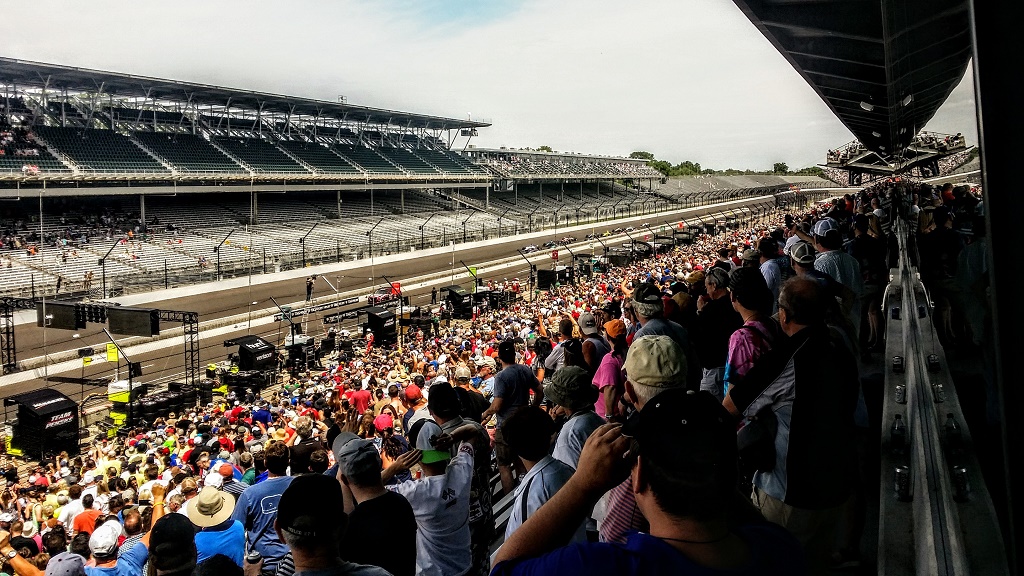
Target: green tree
{"x":780,"y":168}
{"x":545,"y":149}
{"x":811,"y":171}
{"x":640,"y":154}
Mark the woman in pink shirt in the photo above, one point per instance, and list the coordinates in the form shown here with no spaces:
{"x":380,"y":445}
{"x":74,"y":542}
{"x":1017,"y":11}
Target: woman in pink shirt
{"x":609,"y":379}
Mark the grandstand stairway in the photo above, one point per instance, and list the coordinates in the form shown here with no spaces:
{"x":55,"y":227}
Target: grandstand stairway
{"x":219,"y":146}
{"x":367,"y":159}
{"x":318,"y":157}
{"x":61,"y":157}
{"x":164,"y":163}
{"x":297,"y":160}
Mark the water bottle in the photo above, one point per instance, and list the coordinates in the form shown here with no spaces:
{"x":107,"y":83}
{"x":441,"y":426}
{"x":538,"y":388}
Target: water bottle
{"x":898,"y":435}
{"x":253,"y":557}
{"x":954,"y":438}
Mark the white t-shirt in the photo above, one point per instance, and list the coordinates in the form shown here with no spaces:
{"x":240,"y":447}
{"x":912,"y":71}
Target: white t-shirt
{"x":441,"y":507}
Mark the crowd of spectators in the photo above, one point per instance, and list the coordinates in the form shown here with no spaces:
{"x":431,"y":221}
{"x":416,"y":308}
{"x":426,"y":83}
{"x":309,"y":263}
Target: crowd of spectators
{"x":15,"y":140}
{"x":611,"y":406}
{"x":523,"y":165}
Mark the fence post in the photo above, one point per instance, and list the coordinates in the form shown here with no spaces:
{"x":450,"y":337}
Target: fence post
{"x":165,"y":273}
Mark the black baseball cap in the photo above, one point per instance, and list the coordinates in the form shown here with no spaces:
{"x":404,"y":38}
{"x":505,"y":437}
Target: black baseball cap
{"x":312,"y":507}
{"x":688,"y":435}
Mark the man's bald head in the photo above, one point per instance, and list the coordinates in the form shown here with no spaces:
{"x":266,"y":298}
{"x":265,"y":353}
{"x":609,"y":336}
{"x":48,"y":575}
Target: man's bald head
{"x":803,"y":301}
{"x":132,"y":522}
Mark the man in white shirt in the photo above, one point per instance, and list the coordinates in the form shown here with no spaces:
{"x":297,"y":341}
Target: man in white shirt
{"x":440,"y":501}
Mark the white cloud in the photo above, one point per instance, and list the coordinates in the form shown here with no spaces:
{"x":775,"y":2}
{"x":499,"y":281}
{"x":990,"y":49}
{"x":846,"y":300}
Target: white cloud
{"x":685,"y":79}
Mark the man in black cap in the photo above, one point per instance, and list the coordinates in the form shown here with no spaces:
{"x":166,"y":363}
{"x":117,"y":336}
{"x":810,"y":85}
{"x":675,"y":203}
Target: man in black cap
{"x":310,"y":520}
{"x":683,"y":471}
{"x":373,"y":510}
{"x":512,"y":387}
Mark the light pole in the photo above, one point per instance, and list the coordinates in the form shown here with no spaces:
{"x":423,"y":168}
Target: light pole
{"x":103,"y":266}
{"x":302,"y":242}
{"x":216,"y":250}
{"x":463,"y":232}
{"x":249,"y":326}
{"x":424,"y":225}
{"x":369,"y":246}
{"x":499,"y":221}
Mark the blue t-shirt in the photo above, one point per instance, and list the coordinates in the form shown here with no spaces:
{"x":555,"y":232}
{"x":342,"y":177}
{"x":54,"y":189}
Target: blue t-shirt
{"x":129,"y":564}
{"x":229,"y":542}
{"x":262,"y":415}
{"x":773,"y":552}
{"x":513,"y":385}
{"x":256,"y":509}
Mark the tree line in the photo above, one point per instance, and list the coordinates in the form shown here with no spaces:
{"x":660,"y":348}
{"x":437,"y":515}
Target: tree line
{"x":687,"y":168}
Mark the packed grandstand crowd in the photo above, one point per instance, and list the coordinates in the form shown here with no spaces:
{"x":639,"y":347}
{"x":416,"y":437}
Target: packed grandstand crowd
{"x":662,"y":417}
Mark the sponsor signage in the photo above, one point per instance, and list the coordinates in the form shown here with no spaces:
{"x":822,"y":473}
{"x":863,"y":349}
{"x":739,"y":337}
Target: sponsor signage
{"x":60,"y":419}
{"x":340,"y":316}
{"x":299,"y":312}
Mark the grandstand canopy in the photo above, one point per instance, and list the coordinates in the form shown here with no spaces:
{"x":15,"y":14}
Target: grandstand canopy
{"x":883,"y":66}
{"x":56,"y":79}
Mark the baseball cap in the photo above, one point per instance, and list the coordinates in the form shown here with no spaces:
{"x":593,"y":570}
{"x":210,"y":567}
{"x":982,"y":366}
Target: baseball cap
{"x":647,"y":293}
{"x":614,"y":328}
{"x":462,"y":373}
{"x":211,"y":507}
{"x":506,"y":347}
{"x":656,"y":361}
{"x":66,"y":564}
{"x":311,"y":507}
{"x":588,"y":324}
{"x":357,"y":457}
{"x":824,"y":226}
{"x":803,"y":253}
{"x":172,"y":542}
{"x":103,"y":541}
{"x":340,"y":441}
{"x":751,"y":254}
{"x":413,"y":393}
{"x":571,"y":387}
{"x":226,"y":470}
{"x":688,"y":436}
{"x":383,"y":421}
{"x":431,"y":455}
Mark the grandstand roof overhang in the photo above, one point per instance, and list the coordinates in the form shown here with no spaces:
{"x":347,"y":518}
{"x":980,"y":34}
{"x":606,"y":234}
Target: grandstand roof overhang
{"x":883,"y":66}
{"x":57,"y":78}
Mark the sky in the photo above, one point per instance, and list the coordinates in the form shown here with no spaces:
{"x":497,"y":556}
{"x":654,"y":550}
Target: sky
{"x":683,"y":79}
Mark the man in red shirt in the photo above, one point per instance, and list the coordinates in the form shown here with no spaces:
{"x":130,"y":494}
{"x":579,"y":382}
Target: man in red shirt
{"x":85,"y":521}
{"x":360,"y":399}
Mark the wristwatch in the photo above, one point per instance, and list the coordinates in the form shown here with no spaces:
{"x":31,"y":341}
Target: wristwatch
{"x":10,"y":554}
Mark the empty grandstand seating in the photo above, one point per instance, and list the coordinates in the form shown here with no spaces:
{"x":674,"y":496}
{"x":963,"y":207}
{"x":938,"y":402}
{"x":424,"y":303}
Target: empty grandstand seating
{"x":446,"y":162}
{"x":261,"y":155}
{"x":99,"y":150}
{"x":189,"y":153}
{"x":407,"y":160}
{"x":367,"y":159}
{"x":319,"y":157}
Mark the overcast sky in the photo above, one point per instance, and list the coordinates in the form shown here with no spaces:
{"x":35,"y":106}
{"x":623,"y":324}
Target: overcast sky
{"x":684,"y":79}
